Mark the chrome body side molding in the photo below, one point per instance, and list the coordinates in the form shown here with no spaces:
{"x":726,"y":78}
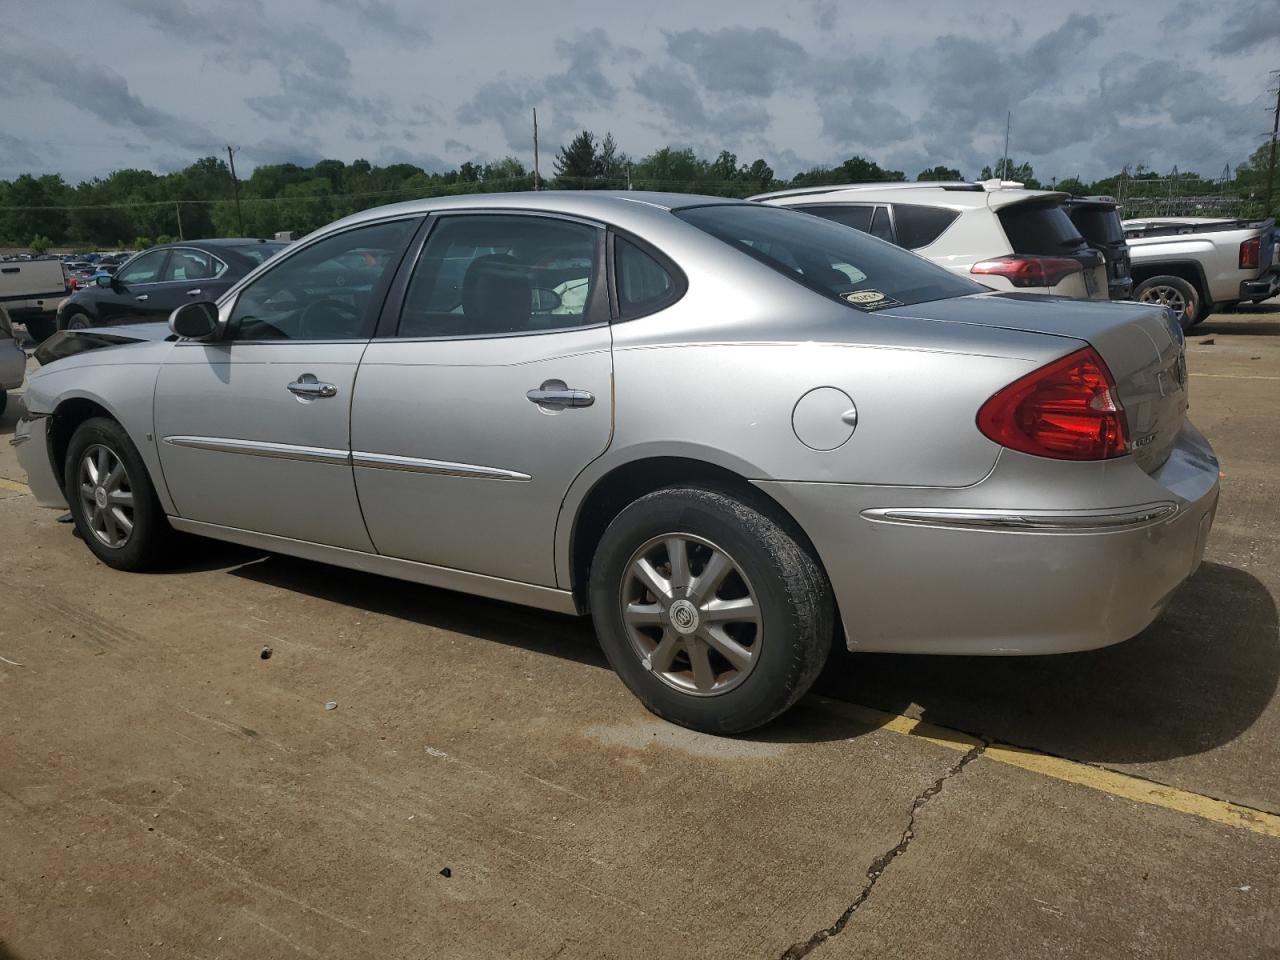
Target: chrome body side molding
{"x":377,"y":461}
{"x":1040,"y":521}
{"x":496,"y":588}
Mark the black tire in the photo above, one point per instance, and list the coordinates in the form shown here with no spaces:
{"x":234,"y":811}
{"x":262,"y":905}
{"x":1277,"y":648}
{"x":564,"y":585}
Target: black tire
{"x":145,"y":545}
{"x":4,"y":401}
{"x":77,"y":320}
{"x":796,"y":613}
{"x":40,"y":329}
{"x":1165,"y":289}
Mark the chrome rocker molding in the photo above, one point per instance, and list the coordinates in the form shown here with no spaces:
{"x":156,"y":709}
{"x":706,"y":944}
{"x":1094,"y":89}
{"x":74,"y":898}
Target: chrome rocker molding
{"x":376,"y":461}
{"x":1040,"y":521}
{"x":510,"y":591}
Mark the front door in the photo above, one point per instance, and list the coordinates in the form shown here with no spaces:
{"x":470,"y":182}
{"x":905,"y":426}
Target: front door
{"x":254,"y":429}
{"x":470,"y":423}
{"x":133,"y":296}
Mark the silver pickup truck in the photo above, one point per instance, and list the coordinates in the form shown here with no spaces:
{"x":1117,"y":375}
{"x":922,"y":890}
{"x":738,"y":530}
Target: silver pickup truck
{"x":1192,"y":264}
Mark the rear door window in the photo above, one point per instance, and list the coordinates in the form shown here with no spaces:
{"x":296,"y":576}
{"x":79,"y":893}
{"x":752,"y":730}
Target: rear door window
{"x":1040,"y":229}
{"x":918,"y":226}
{"x":856,"y":215}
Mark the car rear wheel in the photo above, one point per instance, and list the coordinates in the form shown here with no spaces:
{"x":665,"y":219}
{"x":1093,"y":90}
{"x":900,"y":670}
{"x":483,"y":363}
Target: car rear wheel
{"x":709,"y":610}
{"x":1176,"y":294}
{"x":112,"y":500}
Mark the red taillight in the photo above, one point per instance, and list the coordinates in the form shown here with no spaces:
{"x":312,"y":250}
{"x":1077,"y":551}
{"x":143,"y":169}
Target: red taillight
{"x":71,"y":285}
{"x":1067,"y":410}
{"x":1029,"y":271}
{"x":1250,"y":251}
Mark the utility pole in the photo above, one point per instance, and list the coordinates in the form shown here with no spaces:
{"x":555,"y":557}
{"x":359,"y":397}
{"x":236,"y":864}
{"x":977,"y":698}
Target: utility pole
{"x":537,"y":179}
{"x":177,"y":209}
{"x":1008,"y":123}
{"x":235,"y":187}
{"x":1275,"y":129}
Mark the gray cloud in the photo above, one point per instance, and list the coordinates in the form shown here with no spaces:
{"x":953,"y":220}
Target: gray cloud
{"x":735,"y":60}
{"x":673,"y":95}
{"x":1249,"y":27}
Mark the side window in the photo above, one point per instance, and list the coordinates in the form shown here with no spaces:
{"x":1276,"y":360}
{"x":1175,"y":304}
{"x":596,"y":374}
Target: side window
{"x":643,"y":284}
{"x":880,"y":226}
{"x":856,"y":215}
{"x":919,"y":226}
{"x":143,"y":269}
{"x":323,"y":292}
{"x":188,"y":264}
{"x":483,"y":274}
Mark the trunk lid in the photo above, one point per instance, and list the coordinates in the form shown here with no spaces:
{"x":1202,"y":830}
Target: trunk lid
{"x":1141,"y":344}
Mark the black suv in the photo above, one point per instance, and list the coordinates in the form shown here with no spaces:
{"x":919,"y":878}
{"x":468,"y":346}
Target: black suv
{"x":1098,"y":220}
{"x":154,"y":283}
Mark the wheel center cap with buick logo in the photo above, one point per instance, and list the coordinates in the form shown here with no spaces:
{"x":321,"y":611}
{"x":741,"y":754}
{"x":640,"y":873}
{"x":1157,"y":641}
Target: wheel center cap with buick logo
{"x":684,"y":617}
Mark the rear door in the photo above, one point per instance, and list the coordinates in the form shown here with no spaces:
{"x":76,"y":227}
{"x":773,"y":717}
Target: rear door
{"x":489,"y":393}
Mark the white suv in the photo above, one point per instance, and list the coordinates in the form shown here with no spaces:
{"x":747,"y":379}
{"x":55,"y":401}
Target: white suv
{"x":997,"y":232}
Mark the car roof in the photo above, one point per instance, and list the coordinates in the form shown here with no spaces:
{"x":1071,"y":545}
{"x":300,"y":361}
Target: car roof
{"x":956,"y":194}
{"x":615,"y":207}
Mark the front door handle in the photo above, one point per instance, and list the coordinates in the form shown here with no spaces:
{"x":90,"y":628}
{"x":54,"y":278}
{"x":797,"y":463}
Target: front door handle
{"x":143,"y":297}
{"x":194,"y":293}
{"x":307,"y":387}
{"x":555,"y":395}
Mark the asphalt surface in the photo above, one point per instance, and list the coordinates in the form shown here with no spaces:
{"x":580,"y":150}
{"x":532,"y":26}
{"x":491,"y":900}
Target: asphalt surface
{"x":166,"y":791}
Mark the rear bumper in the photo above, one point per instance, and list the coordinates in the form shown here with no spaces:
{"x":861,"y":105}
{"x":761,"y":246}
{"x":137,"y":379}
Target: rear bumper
{"x":30,"y":437}
{"x":1261,"y":288}
{"x":13,"y":364}
{"x":959,"y":572}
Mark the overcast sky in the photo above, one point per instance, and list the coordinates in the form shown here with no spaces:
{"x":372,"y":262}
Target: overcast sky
{"x":93,"y":86}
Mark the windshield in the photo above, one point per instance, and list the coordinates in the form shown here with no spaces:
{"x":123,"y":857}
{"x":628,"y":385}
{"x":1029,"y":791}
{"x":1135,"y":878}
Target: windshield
{"x":835,"y":260}
{"x":260,"y":251}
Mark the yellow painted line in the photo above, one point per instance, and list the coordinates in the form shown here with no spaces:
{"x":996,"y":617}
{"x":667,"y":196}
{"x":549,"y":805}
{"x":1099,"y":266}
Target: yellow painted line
{"x":14,"y":485}
{"x":1070,"y":771}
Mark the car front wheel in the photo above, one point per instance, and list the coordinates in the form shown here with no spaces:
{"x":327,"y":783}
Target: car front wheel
{"x":77,"y":321}
{"x":112,"y":501}
{"x":709,"y":610}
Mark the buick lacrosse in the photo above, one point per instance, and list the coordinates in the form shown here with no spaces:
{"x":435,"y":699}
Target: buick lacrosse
{"x":728,"y":432}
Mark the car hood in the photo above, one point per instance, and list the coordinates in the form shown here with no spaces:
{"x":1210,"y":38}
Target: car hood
{"x":67,"y":343}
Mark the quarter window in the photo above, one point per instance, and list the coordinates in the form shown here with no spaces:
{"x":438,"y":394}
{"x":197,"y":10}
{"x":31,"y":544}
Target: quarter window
{"x":880,"y":226}
{"x":918,"y":226}
{"x":485,"y":275}
{"x":643,"y":283}
{"x":143,"y":269}
{"x":325,"y":291}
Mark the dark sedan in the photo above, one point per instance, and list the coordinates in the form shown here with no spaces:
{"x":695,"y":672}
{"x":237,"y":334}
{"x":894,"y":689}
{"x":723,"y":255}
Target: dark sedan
{"x":155,"y":282}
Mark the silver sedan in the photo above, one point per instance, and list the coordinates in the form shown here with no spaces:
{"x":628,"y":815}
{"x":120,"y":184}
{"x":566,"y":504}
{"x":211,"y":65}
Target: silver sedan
{"x":726,"y":431}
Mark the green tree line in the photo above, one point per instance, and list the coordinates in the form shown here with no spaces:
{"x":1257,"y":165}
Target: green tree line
{"x":133,"y":208}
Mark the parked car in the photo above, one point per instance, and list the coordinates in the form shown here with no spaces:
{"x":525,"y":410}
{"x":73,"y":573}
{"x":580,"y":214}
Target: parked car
{"x":1000,"y":234}
{"x":1191,"y":264}
{"x":1098,"y":220}
{"x":150,"y":285}
{"x":13,"y":359}
{"x":755,"y":425}
{"x":30,"y":291}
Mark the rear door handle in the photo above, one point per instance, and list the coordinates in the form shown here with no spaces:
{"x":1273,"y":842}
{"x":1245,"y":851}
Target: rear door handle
{"x":554,"y":395}
{"x":307,"y":387}
{"x":143,"y":296}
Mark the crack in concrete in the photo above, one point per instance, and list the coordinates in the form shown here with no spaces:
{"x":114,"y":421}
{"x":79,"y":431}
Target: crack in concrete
{"x":882,"y":863}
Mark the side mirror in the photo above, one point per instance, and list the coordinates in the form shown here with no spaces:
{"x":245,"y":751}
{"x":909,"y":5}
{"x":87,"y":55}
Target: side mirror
{"x":197,"y":320}
{"x":544,"y":300}
{"x":103,"y":280}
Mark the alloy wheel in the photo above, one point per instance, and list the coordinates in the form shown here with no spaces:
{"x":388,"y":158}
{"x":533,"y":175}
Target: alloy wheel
{"x":106,"y":496}
{"x":691,"y":614}
{"x":1166,"y":297}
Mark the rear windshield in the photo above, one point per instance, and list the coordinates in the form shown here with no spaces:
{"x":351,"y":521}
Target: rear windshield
{"x":1040,"y":229}
{"x":843,"y":264}
{"x":260,"y":251}
{"x":1100,"y":225}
